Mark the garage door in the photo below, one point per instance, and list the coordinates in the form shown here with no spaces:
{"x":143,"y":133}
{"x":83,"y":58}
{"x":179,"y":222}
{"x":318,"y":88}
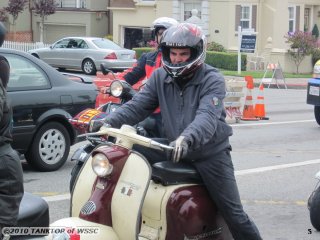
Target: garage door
{"x":55,"y":32}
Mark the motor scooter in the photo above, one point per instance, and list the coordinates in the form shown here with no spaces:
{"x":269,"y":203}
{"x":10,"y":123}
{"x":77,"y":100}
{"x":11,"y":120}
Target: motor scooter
{"x":118,"y":193}
{"x":314,"y":204}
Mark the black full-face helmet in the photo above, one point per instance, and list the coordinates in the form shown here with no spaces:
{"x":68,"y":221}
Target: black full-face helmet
{"x":183,"y":35}
{"x":3,"y":32}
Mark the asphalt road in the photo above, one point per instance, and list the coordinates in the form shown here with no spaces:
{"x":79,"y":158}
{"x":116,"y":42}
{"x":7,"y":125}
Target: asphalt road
{"x":275,"y":163}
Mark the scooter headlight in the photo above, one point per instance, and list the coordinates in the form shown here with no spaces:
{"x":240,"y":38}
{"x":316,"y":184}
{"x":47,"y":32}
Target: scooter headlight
{"x":101,"y":165}
{"x":116,"y":89}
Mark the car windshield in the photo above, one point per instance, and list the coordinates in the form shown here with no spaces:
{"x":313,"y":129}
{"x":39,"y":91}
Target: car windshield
{"x":106,"y":44}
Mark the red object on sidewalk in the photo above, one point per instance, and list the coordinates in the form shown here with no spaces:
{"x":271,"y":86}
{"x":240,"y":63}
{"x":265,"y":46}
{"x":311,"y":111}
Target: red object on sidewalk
{"x":248,"y":109}
{"x":259,"y":110}
{"x":250,"y":83}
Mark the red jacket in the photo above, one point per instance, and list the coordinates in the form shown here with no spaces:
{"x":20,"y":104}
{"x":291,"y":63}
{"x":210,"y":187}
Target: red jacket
{"x":146,"y":64}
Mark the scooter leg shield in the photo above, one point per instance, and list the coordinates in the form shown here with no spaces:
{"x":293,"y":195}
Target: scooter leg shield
{"x":82,"y":190}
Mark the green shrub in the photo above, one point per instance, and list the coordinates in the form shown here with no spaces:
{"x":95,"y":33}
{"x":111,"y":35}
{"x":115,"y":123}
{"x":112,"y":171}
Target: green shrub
{"x":109,"y":36}
{"x":226,"y":61}
{"x":213,"y":46}
{"x":221,"y":60}
{"x":140,"y":51}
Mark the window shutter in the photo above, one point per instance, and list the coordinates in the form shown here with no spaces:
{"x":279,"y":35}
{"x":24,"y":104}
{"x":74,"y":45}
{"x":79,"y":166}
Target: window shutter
{"x":254,"y":17}
{"x":237,"y":17}
{"x":297,"y":18}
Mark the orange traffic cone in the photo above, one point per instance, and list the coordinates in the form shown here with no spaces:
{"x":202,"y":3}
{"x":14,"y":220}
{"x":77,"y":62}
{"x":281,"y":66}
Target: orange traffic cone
{"x":259,"y":111}
{"x":248,"y":109}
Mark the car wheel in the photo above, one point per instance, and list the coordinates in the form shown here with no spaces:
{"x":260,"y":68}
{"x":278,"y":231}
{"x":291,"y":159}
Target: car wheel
{"x":50,"y":147}
{"x":88,"y":67}
{"x":315,"y":210}
{"x":317,"y":114}
{"x":74,"y":174}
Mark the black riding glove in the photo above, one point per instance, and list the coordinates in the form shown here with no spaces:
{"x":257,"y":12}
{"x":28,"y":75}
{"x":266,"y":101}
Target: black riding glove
{"x":95,"y":125}
{"x":180,"y":150}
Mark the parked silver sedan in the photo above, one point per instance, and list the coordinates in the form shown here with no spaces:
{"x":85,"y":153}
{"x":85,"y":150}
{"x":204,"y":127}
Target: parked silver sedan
{"x":86,"y":54}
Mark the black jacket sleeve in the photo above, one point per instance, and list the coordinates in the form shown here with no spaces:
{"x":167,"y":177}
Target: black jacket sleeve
{"x":137,"y":72}
{"x":4,"y":78}
{"x":141,"y":106}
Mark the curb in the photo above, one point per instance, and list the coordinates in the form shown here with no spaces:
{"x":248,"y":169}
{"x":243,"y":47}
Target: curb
{"x":282,"y":86}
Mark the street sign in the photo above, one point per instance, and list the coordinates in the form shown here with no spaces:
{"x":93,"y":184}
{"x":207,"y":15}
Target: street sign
{"x":248,"y":43}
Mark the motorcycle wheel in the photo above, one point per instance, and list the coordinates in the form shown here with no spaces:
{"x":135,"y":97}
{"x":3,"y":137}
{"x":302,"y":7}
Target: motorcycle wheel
{"x":315,"y":209}
{"x":74,"y":174}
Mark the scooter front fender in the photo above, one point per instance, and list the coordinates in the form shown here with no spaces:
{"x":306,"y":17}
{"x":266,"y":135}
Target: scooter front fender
{"x":76,"y":228}
{"x":317,"y":176}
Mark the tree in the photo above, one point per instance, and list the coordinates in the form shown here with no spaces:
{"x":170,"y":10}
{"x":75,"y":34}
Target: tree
{"x":14,"y":8}
{"x":301,"y":45}
{"x":3,"y":15}
{"x":44,"y":8}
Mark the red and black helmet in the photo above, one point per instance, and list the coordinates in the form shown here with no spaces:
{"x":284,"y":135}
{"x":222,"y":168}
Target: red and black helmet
{"x":183,"y":35}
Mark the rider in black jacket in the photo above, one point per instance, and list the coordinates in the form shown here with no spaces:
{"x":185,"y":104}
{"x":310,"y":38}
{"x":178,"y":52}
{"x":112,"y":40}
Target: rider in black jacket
{"x":11,"y":175}
{"x":190,"y":94}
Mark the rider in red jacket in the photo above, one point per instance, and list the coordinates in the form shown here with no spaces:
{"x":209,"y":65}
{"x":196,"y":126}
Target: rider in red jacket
{"x":150,"y":61}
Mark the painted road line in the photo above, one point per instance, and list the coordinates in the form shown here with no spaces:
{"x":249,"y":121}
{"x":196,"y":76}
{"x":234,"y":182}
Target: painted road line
{"x":270,"y":123}
{"x":57,"y":198}
{"x":275,"y":167}
{"x":237,"y":173}
{"x":274,"y":202}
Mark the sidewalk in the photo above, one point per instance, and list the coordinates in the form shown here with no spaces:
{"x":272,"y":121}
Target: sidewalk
{"x":292,"y":83}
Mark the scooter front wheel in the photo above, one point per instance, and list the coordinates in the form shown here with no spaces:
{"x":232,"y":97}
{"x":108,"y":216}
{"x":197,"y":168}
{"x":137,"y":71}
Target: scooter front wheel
{"x":315,"y":209}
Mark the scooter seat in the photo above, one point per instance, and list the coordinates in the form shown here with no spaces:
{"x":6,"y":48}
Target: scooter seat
{"x":33,"y":212}
{"x":169,"y":173}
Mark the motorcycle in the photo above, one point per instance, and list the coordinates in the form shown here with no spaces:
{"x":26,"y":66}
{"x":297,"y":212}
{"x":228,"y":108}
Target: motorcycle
{"x":314,"y":205}
{"x":120,"y":90}
{"x":121,"y":196}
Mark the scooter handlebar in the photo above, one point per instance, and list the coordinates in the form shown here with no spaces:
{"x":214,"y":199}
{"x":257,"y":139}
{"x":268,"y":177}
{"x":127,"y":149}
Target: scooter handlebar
{"x":127,"y":136}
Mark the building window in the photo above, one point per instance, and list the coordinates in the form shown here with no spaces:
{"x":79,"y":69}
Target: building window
{"x":71,"y":3}
{"x":307,"y":20}
{"x":245,"y":17}
{"x":187,"y":8}
{"x":292,"y":18}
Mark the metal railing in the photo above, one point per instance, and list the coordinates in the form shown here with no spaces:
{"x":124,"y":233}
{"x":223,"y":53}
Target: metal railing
{"x":24,"y":46}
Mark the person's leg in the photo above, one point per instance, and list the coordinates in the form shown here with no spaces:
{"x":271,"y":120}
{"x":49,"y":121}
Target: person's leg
{"x":218,"y":176}
{"x":11,"y":187}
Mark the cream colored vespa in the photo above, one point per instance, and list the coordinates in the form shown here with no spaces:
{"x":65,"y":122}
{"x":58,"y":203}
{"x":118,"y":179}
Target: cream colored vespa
{"x":121,"y":197}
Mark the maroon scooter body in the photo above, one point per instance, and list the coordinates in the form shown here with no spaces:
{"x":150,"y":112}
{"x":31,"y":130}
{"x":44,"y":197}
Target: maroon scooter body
{"x":104,"y":187}
{"x":191,"y":214}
